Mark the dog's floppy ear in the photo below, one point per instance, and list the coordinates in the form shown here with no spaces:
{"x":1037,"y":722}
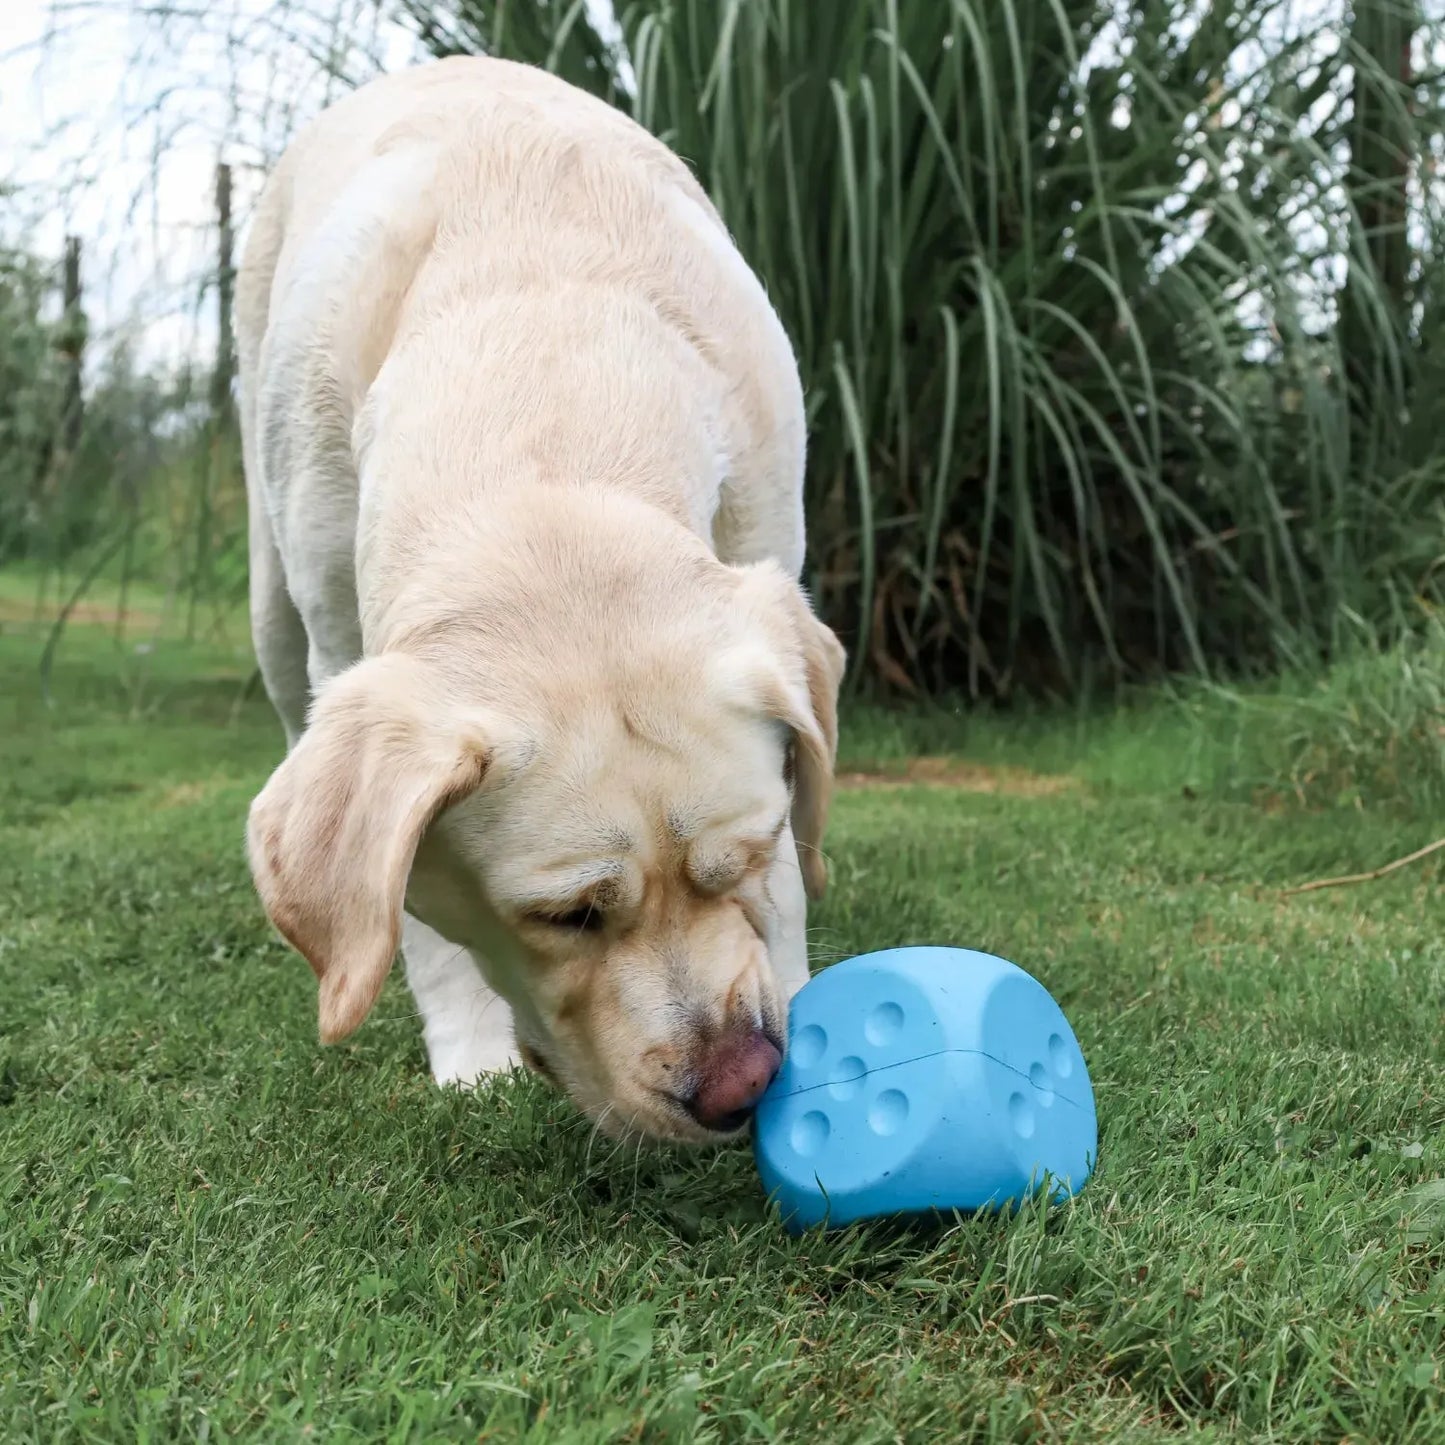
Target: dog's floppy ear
{"x":332,"y":835}
{"x":801,"y":690}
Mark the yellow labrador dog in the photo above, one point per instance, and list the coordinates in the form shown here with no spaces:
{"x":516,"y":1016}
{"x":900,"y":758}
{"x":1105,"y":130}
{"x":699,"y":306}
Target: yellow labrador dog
{"x":524,"y":452}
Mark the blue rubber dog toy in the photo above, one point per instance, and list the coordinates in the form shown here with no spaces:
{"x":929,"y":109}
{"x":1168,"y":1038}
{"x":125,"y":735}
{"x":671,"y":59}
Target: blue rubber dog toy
{"x":922,"y":1079}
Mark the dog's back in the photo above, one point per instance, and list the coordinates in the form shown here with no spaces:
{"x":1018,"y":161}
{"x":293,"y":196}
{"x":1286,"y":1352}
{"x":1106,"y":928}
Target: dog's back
{"x":482,"y":239}
{"x":366,"y":171}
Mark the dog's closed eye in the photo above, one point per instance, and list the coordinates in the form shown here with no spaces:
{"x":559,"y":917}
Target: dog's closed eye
{"x":586,"y":918}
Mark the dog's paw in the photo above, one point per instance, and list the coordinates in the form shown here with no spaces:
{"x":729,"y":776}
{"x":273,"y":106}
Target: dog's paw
{"x":466,"y":1064}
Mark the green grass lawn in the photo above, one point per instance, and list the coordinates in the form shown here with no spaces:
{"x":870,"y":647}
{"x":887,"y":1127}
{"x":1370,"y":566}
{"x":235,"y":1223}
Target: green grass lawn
{"x":209,"y":1226}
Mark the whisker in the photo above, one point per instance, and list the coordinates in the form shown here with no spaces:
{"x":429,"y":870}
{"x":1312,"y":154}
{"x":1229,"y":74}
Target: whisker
{"x":592,"y":1138}
{"x":636,"y":1158}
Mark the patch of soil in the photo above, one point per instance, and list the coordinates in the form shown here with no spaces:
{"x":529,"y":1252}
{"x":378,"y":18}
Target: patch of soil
{"x":183,"y":795}
{"x":19,"y":609}
{"x":956,"y":773}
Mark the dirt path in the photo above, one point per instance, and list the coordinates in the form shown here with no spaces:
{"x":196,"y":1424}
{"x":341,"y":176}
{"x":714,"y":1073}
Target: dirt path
{"x":958,"y":774}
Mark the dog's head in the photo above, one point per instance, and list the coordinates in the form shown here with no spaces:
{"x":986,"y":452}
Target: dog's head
{"x":623,"y":831}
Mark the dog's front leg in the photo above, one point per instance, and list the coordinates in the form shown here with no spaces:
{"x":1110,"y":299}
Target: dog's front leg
{"x":468,"y":1029}
{"x":788,"y":930}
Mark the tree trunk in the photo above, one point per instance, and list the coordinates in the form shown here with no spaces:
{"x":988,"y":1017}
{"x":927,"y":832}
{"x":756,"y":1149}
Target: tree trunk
{"x":219,"y":422}
{"x":1376,"y":300}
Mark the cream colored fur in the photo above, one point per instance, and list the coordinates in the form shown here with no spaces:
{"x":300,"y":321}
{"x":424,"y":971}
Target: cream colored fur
{"x":524,"y":451}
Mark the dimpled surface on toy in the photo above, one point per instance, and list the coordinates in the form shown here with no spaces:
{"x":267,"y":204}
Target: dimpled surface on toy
{"x":923,"y":1079}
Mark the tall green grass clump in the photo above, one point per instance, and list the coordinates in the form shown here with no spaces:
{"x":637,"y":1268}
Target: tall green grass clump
{"x":1369,"y":732}
{"x":1110,"y":359}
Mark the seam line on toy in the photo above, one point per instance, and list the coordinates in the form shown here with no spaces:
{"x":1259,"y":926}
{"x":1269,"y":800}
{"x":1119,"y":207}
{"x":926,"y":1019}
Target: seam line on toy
{"x":936,"y":1054}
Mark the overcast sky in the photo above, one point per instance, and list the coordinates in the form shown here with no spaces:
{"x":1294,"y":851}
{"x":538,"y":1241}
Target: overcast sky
{"x":112,"y":125}
{"x":112,"y":121}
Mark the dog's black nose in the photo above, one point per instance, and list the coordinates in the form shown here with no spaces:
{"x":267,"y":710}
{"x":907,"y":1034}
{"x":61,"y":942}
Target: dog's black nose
{"x":732,"y":1076}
